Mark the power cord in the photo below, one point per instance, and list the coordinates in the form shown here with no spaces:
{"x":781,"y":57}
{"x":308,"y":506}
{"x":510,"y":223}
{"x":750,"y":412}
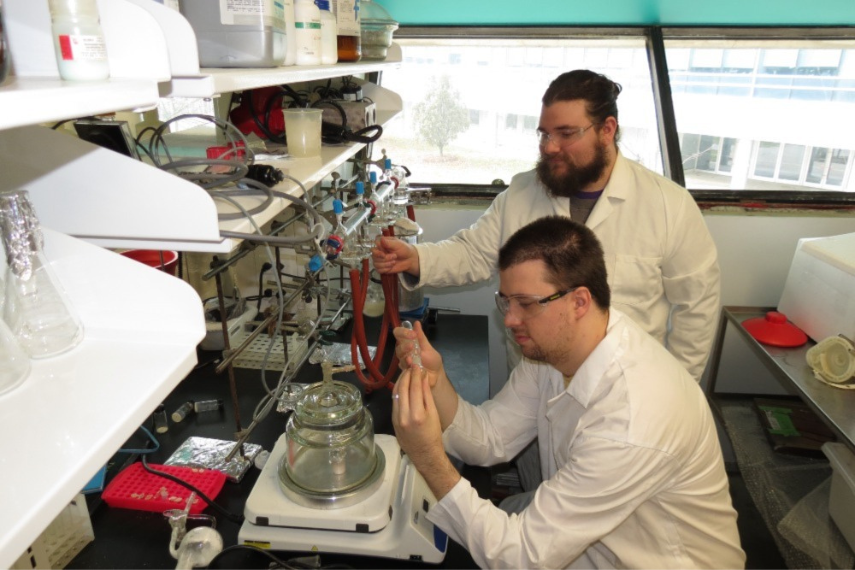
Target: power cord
{"x":237,"y":519}
{"x":299,"y":563}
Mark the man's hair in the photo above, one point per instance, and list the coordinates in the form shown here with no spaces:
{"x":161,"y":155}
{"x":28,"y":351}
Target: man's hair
{"x":571,"y":252}
{"x":598,"y":91}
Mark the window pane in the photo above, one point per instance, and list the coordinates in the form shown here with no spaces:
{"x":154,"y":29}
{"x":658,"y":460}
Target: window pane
{"x":497,"y":87}
{"x":837,"y":168}
{"x":791,"y":162}
{"x":767,"y":157}
{"x":768,"y":102}
{"x":816,"y":169}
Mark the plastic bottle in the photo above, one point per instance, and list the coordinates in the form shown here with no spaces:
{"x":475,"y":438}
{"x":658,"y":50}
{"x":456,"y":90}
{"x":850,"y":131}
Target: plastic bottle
{"x":349,"y":37}
{"x":329,"y":42}
{"x":81,"y":52}
{"x":307,"y":20}
{"x":290,"y":33}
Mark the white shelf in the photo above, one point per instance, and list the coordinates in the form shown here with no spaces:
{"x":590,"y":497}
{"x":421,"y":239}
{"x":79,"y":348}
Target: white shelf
{"x":211,"y":82}
{"x":33,"y":100}
{"x":141,"y":328}
{"x":114,"y":201}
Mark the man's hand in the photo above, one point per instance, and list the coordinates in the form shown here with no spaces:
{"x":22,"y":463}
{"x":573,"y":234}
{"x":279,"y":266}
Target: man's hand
{"x":431,"y":359}
{"x":391,"y":255}
{"x":417,"y":427}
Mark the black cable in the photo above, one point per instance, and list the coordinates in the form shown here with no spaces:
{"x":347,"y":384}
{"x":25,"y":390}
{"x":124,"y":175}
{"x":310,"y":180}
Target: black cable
{"x":292,"y":564}
{"x":264,"y":269}
{"x":237,"y":519}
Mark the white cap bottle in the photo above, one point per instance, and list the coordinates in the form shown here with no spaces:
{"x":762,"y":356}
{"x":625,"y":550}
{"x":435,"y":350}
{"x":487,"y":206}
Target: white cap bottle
{"x":307,"y":21}
{"x":81,"y":52}
{"x":329,"y":34}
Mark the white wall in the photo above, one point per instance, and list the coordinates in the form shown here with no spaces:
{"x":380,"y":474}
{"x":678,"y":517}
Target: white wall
{"x":755,"y":252}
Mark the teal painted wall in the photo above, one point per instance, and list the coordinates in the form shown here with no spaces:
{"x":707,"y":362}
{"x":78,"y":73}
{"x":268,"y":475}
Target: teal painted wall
{"x":622,"y":12}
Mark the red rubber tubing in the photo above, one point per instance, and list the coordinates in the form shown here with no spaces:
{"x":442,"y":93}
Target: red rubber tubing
{"x":411,"y":212}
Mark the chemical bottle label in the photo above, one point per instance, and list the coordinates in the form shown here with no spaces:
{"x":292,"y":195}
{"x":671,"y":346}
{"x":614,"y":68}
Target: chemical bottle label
{"x":82,"y":48}
{"x":347,"y":17}
{"x":252,"y":13}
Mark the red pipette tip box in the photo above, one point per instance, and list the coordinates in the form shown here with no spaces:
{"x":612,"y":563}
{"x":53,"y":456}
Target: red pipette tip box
{"x":136,"y":488}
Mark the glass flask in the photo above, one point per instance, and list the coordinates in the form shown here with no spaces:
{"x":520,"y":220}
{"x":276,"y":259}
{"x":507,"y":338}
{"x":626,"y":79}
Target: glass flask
{"x":330,"y":440}
{"x":14,"y":362}
{"x":36,"y":308}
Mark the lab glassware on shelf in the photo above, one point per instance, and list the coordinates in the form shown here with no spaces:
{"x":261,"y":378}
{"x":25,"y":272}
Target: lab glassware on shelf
{"x":36,"y":308}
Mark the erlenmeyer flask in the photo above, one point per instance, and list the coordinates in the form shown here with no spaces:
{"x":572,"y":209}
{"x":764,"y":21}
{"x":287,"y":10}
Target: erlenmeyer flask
{"x":36,"y":308}
{"x":14,"y":362}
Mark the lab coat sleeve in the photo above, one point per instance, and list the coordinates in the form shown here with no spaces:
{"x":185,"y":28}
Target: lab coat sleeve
{"x":469,"y":256}
{"x":497,"y":430}
{"x":691,"y":280}
{"x":587,"y":499}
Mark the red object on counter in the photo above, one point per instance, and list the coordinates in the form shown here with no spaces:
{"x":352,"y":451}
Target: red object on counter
{"x":775,"y":330}
{"x":136,"y":488}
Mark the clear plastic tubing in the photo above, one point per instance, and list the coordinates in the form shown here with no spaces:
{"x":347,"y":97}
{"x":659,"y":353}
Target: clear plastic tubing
{"x":81,"y":52}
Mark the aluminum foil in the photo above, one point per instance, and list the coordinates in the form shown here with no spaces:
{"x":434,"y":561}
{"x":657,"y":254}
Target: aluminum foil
{"x":21,"y":232}
{"x":338,"y":353}
{"x":210,"y":454}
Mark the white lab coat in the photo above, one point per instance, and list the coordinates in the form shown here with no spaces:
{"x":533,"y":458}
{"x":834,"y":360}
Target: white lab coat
{"x":635,"y":476}
{"x":660,"y":257}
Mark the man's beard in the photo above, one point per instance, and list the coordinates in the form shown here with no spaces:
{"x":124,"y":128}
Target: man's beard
{"x":576,"y":178}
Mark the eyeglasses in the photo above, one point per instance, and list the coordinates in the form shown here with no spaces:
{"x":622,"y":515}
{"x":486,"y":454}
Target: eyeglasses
{"x":562,"y":137}
{"x":528,"y":306}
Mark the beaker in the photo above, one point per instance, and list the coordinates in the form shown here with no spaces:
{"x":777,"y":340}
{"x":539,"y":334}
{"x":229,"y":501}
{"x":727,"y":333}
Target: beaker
{"x":303,"y":132}
{"x":36,"y":308}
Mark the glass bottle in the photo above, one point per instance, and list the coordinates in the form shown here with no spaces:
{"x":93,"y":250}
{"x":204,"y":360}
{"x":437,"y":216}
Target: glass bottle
{"x":349,"y":34}
{"x":36,"y":308}
{"x":81,"y":51}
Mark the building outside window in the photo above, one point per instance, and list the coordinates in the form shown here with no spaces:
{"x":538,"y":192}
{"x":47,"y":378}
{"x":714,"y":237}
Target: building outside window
{"x":751,"y":114}
{"x":764,"y":115}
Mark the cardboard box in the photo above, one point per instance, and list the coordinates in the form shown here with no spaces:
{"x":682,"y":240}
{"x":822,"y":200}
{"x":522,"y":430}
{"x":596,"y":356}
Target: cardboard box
{"x":819,"y":294}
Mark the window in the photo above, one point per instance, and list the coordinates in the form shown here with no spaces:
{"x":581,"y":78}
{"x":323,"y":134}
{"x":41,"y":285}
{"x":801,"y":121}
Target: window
{"x":497,"y":86}
{"x":764,"y":115}
{"x":768,"y":110}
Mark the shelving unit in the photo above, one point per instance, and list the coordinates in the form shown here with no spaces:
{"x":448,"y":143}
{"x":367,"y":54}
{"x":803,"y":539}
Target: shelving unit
{"x":141,"y":326}
{"x":77,"y":183}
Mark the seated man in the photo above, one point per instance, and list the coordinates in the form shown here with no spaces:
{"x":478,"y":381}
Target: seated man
{"x":632,"y":468}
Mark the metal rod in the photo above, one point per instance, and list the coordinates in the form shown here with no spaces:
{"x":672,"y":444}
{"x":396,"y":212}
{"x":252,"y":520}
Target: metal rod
{"x":227,"y":348}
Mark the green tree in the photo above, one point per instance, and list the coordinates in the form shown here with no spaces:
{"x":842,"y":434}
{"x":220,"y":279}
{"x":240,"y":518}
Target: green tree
{"x":441,"y":116}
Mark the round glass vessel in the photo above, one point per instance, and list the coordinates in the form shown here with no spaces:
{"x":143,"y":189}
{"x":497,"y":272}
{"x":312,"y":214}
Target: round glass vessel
{"x":330,"y":442}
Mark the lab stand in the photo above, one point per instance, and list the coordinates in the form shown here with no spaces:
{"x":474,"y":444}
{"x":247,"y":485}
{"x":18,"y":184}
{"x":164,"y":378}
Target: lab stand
{"x":135,"y":539}
{"x":790,"y":492}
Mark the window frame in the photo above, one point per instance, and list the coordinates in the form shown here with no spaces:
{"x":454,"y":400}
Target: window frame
{"x":655,"y":37}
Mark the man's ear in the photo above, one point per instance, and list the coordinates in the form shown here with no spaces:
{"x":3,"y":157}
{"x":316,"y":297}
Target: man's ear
{"x":608,"y":129}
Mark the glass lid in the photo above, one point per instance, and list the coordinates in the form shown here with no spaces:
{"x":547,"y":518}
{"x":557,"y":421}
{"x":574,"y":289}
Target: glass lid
{"x":329,"y":404}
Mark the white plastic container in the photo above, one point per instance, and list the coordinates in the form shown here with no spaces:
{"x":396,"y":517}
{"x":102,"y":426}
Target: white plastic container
{"x":81,"y":52}
{"x":307,"y":20}
{"x":234,"y":34}
{"x":290,"y":33}
{"x":819,"y":294}
{"x":841,"y":502}
{"x":329,"y":34}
